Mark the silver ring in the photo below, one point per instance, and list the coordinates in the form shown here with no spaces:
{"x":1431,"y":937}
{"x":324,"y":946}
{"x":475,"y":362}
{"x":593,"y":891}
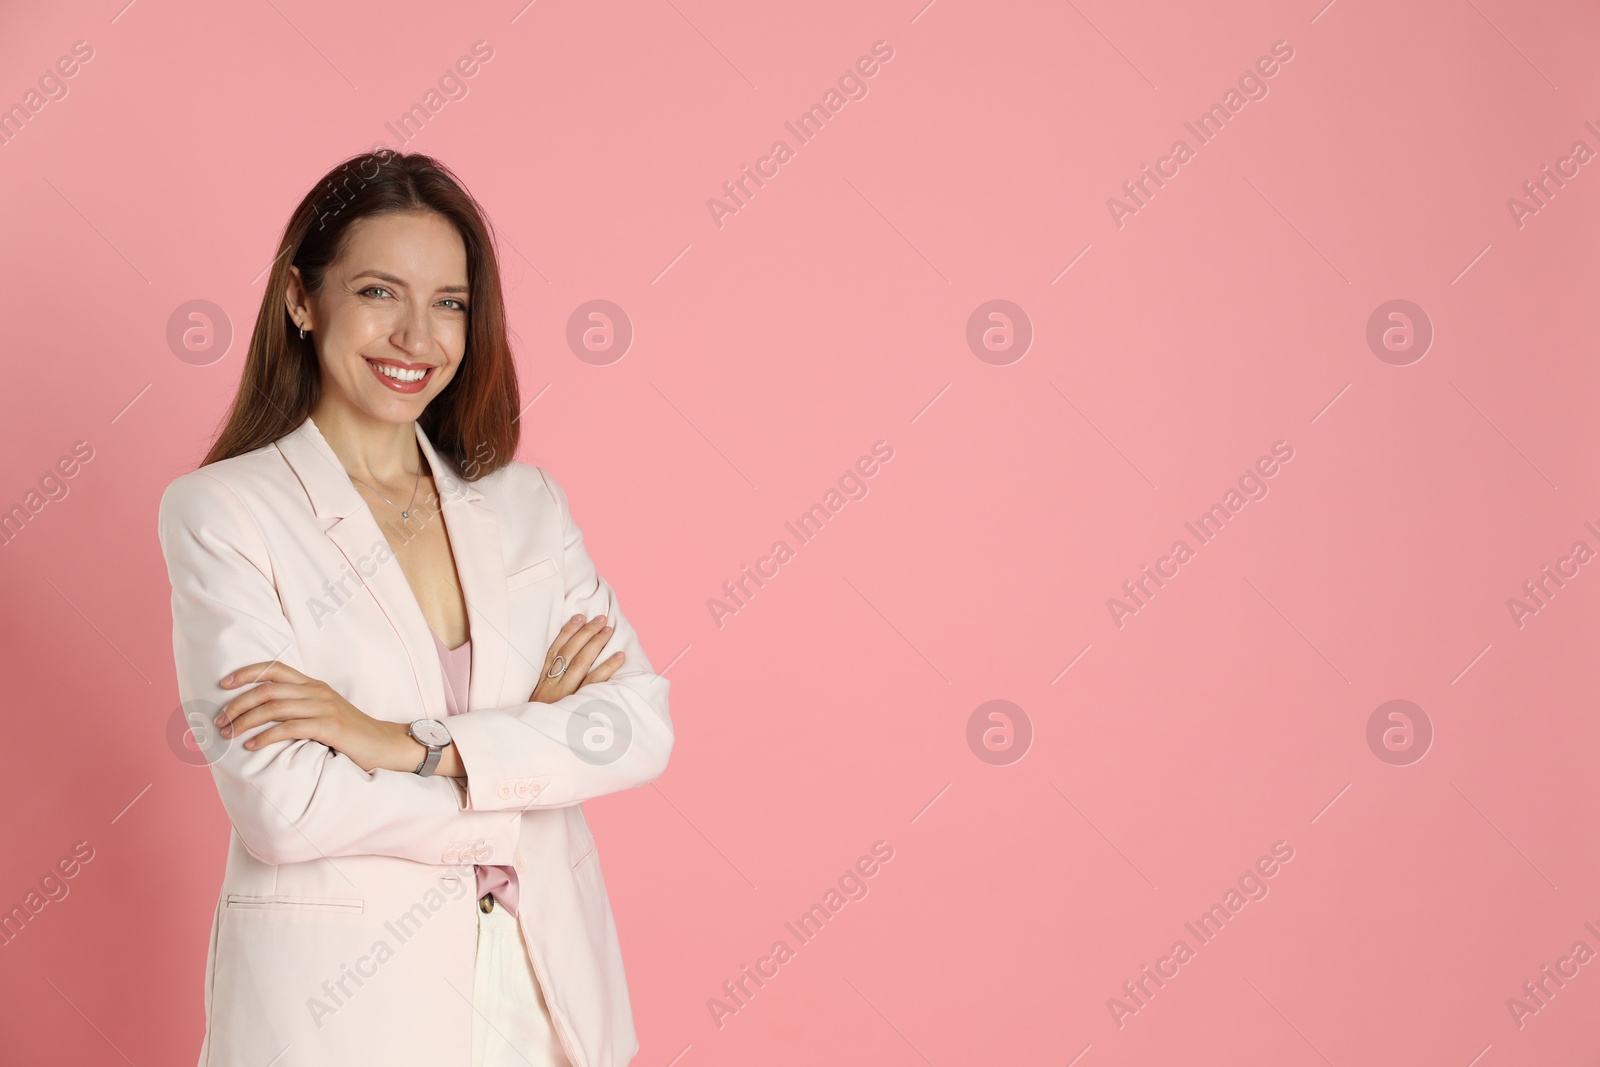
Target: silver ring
{"x":561,"y":662}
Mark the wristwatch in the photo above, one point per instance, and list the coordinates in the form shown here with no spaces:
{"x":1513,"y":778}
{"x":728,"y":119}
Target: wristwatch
{"x":432,"y":735}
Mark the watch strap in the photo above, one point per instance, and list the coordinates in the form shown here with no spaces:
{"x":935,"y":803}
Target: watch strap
{"x":431,"y":760}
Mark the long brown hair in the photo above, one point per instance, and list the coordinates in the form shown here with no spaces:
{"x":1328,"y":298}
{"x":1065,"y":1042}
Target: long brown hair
{"x":473,"y":421}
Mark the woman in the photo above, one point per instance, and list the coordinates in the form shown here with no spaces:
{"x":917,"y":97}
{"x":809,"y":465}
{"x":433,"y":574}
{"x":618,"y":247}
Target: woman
{"x":401,"y":641}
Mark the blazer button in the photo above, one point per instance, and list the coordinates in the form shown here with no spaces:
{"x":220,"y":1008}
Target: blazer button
{"x":483,"y":852}
{"x":503,"y":791}
{"x":522,"y":789}
{"x":450,"y":854}
{"x":535,"y":787}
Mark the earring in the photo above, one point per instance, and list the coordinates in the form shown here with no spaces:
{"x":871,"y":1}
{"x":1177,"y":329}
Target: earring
{"x":302,"y":333}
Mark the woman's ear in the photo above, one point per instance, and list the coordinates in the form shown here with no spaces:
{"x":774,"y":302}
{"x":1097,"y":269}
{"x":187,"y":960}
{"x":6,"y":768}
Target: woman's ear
{"x":294,"y":301}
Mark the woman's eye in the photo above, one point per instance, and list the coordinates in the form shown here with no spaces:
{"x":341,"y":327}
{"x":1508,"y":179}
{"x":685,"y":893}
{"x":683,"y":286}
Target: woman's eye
{"x":457,"y":305}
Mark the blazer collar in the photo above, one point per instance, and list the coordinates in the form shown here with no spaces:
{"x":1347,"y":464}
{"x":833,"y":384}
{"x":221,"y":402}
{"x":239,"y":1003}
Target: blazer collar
{"x":474,"y":535}
{"x":333,"y":495}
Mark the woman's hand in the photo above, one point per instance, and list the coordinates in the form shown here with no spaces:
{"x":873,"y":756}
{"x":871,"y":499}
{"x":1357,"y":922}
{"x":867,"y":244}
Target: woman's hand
{"x":578,"y":644}
{"x":303,"y":707}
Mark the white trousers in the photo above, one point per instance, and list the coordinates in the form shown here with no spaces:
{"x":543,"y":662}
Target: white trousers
{"x":511,"y":1027}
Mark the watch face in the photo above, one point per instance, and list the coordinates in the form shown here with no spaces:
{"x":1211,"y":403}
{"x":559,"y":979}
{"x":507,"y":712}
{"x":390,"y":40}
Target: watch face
{"x":430,"y":732}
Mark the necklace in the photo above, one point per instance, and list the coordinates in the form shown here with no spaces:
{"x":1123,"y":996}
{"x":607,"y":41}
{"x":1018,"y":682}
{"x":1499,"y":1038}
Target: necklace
{"x":406,"y":512}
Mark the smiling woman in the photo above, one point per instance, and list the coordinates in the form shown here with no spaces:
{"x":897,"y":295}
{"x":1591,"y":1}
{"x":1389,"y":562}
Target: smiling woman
{"x":451,"y":712}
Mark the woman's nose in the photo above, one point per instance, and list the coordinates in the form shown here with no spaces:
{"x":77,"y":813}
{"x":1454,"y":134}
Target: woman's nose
{"x":414,"y":332}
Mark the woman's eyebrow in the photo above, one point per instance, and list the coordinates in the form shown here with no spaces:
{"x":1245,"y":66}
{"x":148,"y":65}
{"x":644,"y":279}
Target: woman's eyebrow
{"x":390,"y":278}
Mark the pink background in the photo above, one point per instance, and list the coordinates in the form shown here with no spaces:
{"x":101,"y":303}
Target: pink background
{"x":769,"y":354}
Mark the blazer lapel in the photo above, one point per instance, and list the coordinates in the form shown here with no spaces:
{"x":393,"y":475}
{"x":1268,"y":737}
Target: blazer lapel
{"x":475,"y":542}
{"x":474,"y":536}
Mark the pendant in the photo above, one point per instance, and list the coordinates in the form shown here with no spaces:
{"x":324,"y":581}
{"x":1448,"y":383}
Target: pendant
{"x":405,"y":514}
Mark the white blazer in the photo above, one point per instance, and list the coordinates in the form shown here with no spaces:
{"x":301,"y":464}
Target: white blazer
{"x":345,"y":930}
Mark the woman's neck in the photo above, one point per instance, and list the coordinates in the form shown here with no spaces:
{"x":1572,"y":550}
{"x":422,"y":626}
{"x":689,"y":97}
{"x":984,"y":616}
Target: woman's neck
{"x":381,"y":453}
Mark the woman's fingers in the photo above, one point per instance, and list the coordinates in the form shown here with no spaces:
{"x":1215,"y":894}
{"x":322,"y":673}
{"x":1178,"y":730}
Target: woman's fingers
{"x":580,"y":639}
{"x":250,"y":699}
{"x":584,"y":656}
{"x":571,"y":648}
{"x":283,"y":731}
{"x":269,"y":671}
{"x":561,"y":639}
{"x":271,"y":679}
{"x":280,"y":707}
{"x":558,"y":647}
{"x":578,"y":645}
{"x":606,"y":669}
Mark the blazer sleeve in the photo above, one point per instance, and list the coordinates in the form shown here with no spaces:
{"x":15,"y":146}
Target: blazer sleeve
{"x":605,"y":737}
{"x":296,"y":799}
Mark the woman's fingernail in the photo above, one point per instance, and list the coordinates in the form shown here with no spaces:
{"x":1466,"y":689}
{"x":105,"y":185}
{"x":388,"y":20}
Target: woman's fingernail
{"x":228,"y":679}
{"x":606,"y":629}
{"x":576,"y":618}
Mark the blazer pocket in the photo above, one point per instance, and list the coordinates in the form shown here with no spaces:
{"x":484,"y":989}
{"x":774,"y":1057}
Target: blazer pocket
{"x":337,"y":905}
{"x":530,"y":574}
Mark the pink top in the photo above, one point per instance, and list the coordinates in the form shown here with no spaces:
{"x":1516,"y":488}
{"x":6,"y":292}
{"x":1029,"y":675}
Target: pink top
{"x":457,"y":664}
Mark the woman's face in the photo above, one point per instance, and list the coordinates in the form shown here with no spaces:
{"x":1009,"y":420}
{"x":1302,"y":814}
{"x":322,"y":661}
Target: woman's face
{"x":391,"y":321}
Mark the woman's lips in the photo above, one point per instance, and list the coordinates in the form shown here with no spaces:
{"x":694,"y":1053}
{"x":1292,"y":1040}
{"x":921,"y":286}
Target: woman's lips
{"x":399,"y":386}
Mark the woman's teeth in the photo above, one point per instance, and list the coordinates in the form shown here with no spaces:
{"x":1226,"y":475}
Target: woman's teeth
{"x":400,"y":374}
